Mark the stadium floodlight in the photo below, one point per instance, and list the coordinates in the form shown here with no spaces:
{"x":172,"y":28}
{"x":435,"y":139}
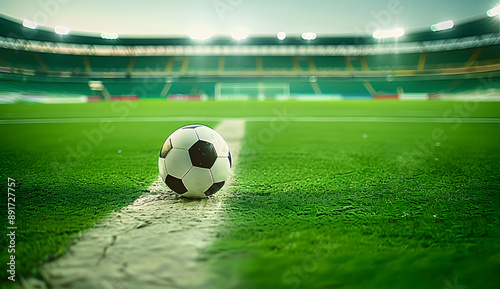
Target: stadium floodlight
{"x":495,"y":11}
{"x":202,"y":33}
{"x":106,"y":35}
{"x":281,"y":35}
{"x":29,"y":24}
{"x":308,"y":35}
{"x":444,"y":25}
{"x":391,"y":33}
{"x":200,"y":36}
{"x":61,"y":30}
{"x":239,"y":34}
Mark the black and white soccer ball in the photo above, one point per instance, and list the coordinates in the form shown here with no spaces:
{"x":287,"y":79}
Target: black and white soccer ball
{"x":195,"y":161}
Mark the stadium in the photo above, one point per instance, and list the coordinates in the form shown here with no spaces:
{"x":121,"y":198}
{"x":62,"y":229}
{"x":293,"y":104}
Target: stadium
{"x":367,"y":158}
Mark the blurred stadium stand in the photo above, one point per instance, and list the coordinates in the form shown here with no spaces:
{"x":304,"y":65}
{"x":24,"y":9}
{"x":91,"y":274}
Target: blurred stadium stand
{"x":465,"y":59}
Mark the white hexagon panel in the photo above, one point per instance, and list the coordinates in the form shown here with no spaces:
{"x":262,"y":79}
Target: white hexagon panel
{"x":220,"y":170}
{"x":161,"y":168}
{"x":210,"y":135}
{"x":183,"y":138}
{"x":197,"y":181}
{"x":177,"y":162}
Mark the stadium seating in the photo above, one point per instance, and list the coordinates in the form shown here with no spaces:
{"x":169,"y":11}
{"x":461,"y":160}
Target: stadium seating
{"x":63,"y":62}
{"x":455,"y":58}
{"x":192,"y":88}
{"x":240,"y":63}
{"x":302,"y":63}
{"x":422,"y":86}
{"x":301,"y":88}
{"x":277,"y":63}
{"x":140,"y":89}
{"x":203,"y":63}
{"x":488,"y":54}
{"x":20,"y":59}
{"x":150,"y":63}
{"x":344,"y":87}
{"x":108,"y":64}
{"x":392,"y":61}
{"x":329,"y":62}
{"x":34,"y":87}
{"x":354,"y":63}
{"x":352,"y":76}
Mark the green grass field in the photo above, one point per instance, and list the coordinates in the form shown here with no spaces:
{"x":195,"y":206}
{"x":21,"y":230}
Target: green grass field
{"x":318,"y":202}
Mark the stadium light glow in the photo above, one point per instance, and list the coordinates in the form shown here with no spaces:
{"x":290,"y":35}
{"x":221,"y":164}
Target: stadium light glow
{"x":495,"y":11}
{"x":444,"y":25}
{"x":201,"y":33}
{"x":29,"y":24}
{"x":308,"y":35}
{"x":392,"y":33}
{"x":61,"y":30}
{"x":281,"y":35}
{"x":107,"y":35}
{"x":96,"y":85}
{"x":239,"y":34}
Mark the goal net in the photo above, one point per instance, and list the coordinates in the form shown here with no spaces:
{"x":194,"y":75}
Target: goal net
{"x":251,"y":91}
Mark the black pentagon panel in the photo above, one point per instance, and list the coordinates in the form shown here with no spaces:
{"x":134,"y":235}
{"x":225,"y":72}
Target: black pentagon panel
{"x":202,"y":154}
{"x":167,"y":146}
{"x":230,"y":160}
{"x":191,"y":126}
{"x":175,"y":184}
{"x":214,"y":189}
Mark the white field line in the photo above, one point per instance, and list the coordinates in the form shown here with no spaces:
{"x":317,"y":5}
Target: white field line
{"x":156,"y":242}
{"x":375,"y":119}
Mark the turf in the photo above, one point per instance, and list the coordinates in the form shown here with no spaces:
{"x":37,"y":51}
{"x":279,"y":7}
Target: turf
{"x":70,"y":175}
{"x":316,"y":204}
{"x":364,"y":205}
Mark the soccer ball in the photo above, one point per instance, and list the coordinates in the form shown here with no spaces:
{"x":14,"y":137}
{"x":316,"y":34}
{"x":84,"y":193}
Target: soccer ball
{"x":195,"y":161}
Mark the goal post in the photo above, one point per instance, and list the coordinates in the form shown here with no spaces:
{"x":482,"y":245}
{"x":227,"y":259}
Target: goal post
{"x":251,"y":91}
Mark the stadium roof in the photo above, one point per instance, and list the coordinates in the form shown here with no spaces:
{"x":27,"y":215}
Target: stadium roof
{"x":173,"y":19}
{"x":13,"y":28}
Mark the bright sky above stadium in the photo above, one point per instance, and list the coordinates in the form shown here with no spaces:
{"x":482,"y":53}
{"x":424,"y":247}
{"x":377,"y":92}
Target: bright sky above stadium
{"x":258,"y":17}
